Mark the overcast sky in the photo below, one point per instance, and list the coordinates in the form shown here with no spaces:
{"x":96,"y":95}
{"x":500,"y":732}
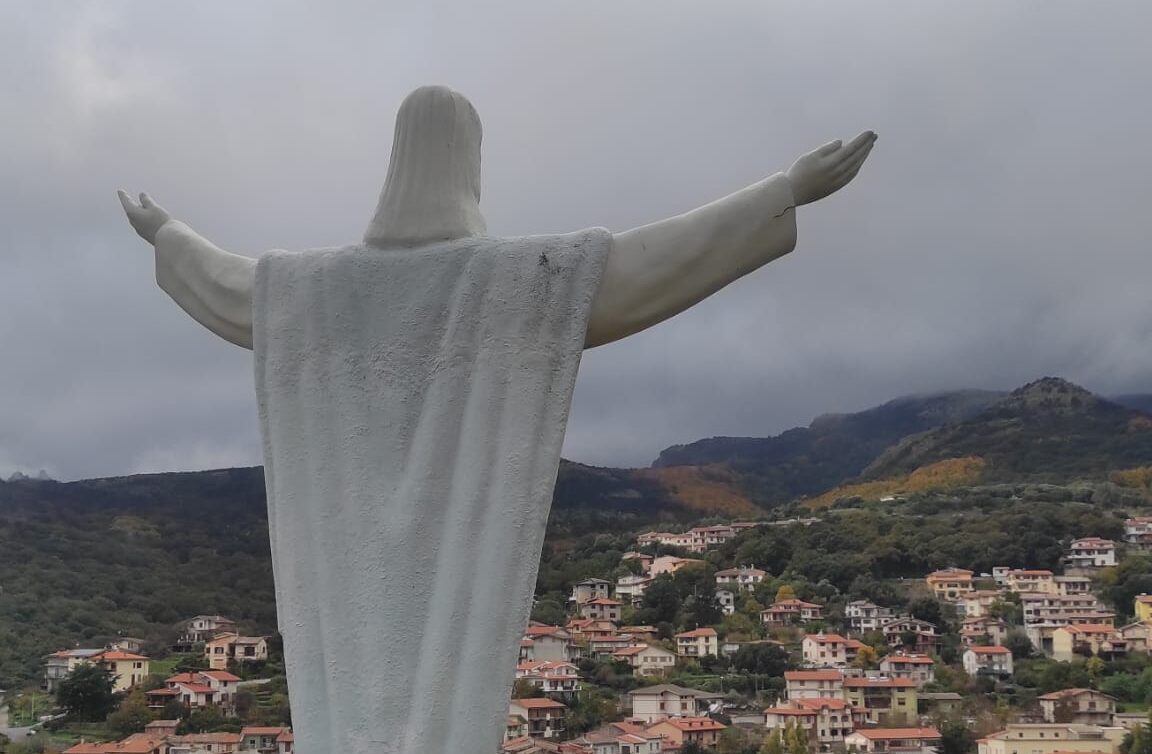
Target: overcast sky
{"x":999,"y":232}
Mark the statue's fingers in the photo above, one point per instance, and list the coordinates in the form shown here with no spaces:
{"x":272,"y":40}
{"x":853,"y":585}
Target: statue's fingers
{"x":126,"y":201}
{"x":829,"y":148}
{"x":853,"y":162}
{"x":146,"y":201}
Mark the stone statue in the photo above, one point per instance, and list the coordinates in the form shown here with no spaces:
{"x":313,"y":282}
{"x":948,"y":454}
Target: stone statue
{"x":413,"y":391}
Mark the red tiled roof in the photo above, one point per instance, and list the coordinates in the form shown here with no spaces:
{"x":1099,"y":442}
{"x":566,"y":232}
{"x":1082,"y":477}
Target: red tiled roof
{"x":1069,"y":693}
{"x":115,"y":655}
{"x":910,"y":659}
{"x":822,"y":703}
{"x":603,"y":601}
{"x":991,"y":650}
{"x":813,"y":675}
{"x":257,"y":731}
{"x":699,"y":632}
{"x":874,"y":734}
{"x":220,"y":675}
{"x":691,"y":723}
{"x":541,"y":703}
{"x":826,"y":638}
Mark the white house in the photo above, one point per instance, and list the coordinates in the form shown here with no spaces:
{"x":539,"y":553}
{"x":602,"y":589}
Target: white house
{"x":698,"y":643}
{"x":995,"y":661}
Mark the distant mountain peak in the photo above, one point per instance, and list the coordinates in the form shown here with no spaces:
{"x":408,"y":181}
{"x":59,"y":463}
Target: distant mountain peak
{"x":1051,"y":395}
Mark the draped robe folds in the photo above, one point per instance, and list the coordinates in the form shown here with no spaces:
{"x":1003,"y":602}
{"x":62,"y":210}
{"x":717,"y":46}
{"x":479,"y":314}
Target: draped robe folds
{"x":413,"y":405}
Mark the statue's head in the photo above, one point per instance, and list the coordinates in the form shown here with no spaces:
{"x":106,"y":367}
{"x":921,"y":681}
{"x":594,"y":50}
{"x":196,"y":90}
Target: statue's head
{"x":433,"y":188}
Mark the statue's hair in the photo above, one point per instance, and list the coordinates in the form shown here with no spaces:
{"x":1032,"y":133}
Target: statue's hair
{"x":433,"y":188}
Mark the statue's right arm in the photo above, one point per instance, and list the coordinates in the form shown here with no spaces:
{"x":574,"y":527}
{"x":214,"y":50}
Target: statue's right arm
{"x":212,"y":285}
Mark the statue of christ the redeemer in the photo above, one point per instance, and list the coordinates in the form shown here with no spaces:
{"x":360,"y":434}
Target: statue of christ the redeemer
{"x":414,"y":390}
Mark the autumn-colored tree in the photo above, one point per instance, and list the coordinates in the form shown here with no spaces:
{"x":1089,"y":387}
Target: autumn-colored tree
{"x":866,"y":658}
{"x":785,"y":592}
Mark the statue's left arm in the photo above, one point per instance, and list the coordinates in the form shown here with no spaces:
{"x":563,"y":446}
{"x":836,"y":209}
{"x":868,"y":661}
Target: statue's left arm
{"x":212,"y":285}
{"x":657,"y":271}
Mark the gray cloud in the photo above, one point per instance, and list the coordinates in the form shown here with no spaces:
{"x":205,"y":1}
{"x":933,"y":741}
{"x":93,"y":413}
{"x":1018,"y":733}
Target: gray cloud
{"x":998,"y":233}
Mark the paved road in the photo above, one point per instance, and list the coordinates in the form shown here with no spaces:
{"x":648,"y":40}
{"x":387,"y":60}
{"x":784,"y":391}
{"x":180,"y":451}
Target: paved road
{"x":16,"y":734}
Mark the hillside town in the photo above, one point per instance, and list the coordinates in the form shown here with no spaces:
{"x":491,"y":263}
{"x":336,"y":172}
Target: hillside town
{"x":1007,"y":661}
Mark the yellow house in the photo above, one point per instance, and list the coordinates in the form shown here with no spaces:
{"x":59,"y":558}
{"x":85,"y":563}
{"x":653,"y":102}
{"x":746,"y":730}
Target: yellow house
{"x":127,"y":668}
{"x":950,"y":584}
{"x":230,"y":646}
{"x":887,"y":702}
{"x":1143,"y":607}
{"x":1050,"y":738}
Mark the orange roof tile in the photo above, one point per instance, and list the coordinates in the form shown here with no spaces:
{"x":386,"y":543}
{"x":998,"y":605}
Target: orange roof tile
{"x":874,"y":734}
{"x":541,"y":703}
{"x":813,"y":675}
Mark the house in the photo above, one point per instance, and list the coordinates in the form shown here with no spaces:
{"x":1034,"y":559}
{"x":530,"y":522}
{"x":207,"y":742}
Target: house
{"x":646,"y":659}
{"x":551,"y":677}
{"x":813,"y":684}
{"x":668,"y":700}
{"x":601,"y":608}
{"x":630,"y":588}
{"x":590,"y":589}
{"x":530,"y":745}
{"x":545,"y":716}
{"x":886,"y":701}
{"x":919,"y":668}
{"x":986,"y":630}
{"x":223,"y":683}
{"x":698,"y":643}
{"x":949,"y":584}
{"x":1024,"y":580}
{"x":678,"y":731}
{"x":744,"y":577}
{"x":916,"y":636}
{"x":825,"y":720}
{"x":863,"y":616}
{"x":137,"y":743}
{"x":991,"y":661}
{"x":1091,"y":553}
{"x":267,"y":740}
{"x":58,"y":665}
{"x":213,"y":743}
{"x":641,"y":633}
{"x":829,"y":650}
{"x":1138,"y":531}
{"x":903,"y":740}
{"x":1080,"y":706}
{"x":1142,"y":606}
{"x":643,"y":558}
{"x":1062,"y":610}
{"x":977,"y":603}
{"x":1138,"y":636}
{"x":619,"y":738}
{"x":548,"y":643}
{"x":515,"y":727}
{"x":127,"y":669}
{"x":1068,"y":584}
{"x":727,"y":601}
{"x":228,"y":646}
{"x":791,"y":612}
{"x":203,"y":627}
{"x":1091,"y":639}
{"x":1052,"y":738}
{"x":672,"y":564}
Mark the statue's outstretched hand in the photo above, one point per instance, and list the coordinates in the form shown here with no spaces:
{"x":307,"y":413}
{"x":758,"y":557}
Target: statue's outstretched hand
{"x":146,"y":217}
{"x":829,"y":168}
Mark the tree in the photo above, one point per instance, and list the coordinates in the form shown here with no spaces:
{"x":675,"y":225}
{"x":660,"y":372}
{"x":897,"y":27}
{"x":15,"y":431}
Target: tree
{"x":732,"y":741}
{"x":956,"y":738}
{"x":131,"y":716}
{"x":549,"y":612}
{"x":1019,"y":644}
{"x":202,"y":720}
{"x":761,"y":659}
{"x":86,"y":693}
{"x":785,"y":592}
{"x":525,"y":689}
{"x":796,"y":739}
{"x":661,"y":602}
{"x":773,"y":744}
{"x":866,"y":658}
{"x":927,"y":609}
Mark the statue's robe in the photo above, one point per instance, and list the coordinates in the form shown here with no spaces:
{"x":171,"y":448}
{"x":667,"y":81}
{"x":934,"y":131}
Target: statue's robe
{"x":413,"y":406}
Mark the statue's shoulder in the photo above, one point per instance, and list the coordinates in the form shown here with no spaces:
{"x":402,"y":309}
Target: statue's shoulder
{"x":587,"y":238}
